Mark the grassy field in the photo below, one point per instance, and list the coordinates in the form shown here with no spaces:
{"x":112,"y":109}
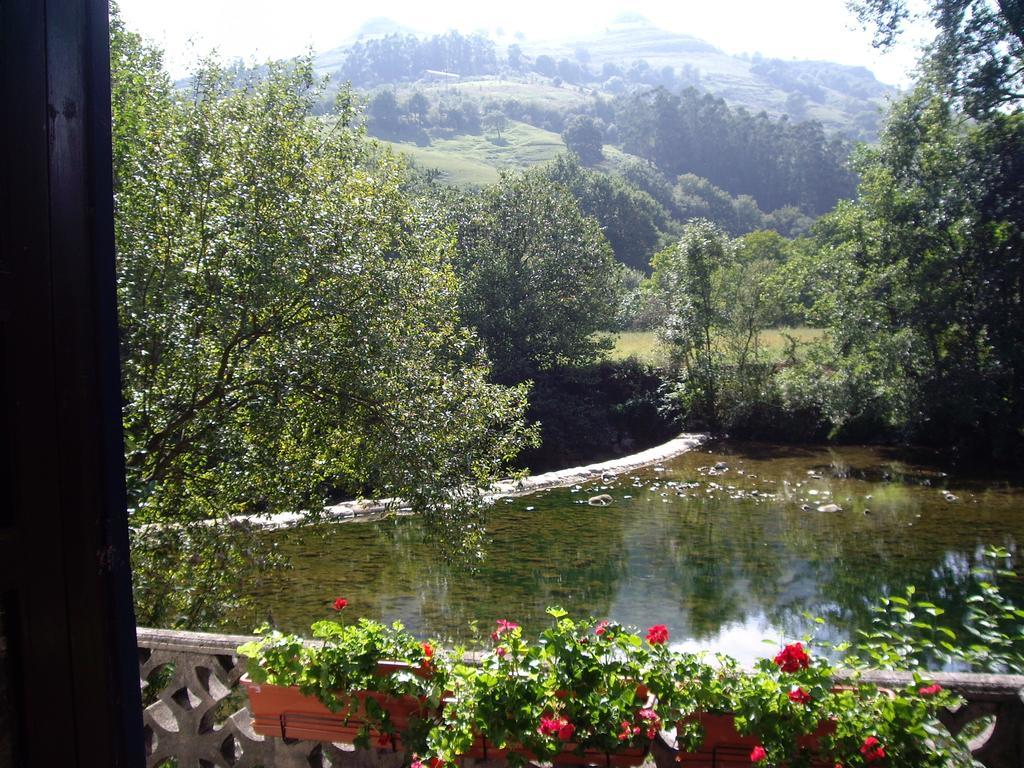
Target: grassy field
{"x":644,"y":345}
{"x":473,"y":161}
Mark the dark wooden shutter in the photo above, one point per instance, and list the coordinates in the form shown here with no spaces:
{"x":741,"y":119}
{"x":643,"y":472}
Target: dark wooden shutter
{"x":68,"y":676}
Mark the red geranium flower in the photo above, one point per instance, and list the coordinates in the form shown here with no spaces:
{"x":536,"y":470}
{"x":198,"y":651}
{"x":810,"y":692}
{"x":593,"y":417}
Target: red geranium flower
{"x":757,"y":754}
{"x":601,"y":628}
{"x":930,"y":690}
{"x":657,"y":635}
{"x":793,"y":658}
{"x":428,"y":650}
{"x":799,"y":696}
{"x":872,"y":750}
{"x":628,"y":730}
{"x":340,"y":604}
{"x":556,"y":726}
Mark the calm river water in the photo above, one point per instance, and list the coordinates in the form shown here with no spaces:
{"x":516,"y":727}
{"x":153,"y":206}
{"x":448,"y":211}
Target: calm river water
{"x":725,"y":558}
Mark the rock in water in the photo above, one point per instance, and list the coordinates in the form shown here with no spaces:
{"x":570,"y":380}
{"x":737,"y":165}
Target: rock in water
{"x":830,"y":508}
{"x":602,"y":500}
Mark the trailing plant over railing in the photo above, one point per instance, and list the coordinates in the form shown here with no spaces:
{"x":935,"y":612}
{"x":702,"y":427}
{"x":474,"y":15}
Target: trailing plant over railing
{"x":588,"y":688}
{"x":909,"y":632}
{"x":345,"y":660}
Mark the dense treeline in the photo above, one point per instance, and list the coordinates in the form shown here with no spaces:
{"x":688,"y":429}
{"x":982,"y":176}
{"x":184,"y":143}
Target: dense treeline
{"x":399,"y":58}
{"x":918,"y":283}
{"x":395,"y":58}
{"x":772,"y":162}
{"x":777,"y":162}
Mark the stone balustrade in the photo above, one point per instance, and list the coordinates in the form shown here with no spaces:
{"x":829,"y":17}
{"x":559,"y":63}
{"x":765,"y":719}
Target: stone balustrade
{"x":196,"y":714}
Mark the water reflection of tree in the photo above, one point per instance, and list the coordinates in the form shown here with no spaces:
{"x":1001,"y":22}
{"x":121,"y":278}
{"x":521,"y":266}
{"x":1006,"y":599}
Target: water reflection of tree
{"x":728,"y":570}
{"x":719,"y":561}
{"x":559,"y":553}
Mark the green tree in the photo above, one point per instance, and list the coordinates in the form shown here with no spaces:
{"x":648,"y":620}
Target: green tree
{"x":540,"y":280}
{"x":978,"y":51}
{"x":631,"y":219}
{"x":684,"y":277}
{"x":516,"y":60}
{"x":417,"y":107}
{"x":290,"y":329}
{"x":545,"y":65}
{"x":583,"y":136}
{"x":718,"y":296}
{"x":383,"y":113}
{"x":496,"y":121}
{"x":921,"y":282}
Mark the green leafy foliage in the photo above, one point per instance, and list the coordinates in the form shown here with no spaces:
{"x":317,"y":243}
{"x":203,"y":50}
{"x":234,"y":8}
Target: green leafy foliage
{"x":290,"y":328}
{"x":346,"y":662}
{"x":583,"y":135}
{"x":540,"y":279}
{"x":919,"y":282}
{"x":977,"y":51}
{"x":631,"y":220}
{"x":909,"y":632}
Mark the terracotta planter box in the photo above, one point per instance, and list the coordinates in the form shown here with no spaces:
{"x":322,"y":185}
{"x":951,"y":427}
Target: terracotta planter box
{"x":483,"y":749}
{"x":723,"y":745}
{"x":285,"y":712}
{"x":624,"y":757}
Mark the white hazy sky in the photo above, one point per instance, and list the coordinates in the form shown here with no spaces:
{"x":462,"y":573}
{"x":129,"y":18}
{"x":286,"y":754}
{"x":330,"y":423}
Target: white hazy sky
{"x":261,"y":29}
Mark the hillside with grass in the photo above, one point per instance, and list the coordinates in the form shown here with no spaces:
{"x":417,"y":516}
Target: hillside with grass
{"x":629,"y":54}
{"x":476,"y":160}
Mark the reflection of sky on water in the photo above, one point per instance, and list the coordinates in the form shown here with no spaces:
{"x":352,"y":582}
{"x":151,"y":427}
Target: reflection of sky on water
{"x":724,"y":560}
{"x":744,"y":641}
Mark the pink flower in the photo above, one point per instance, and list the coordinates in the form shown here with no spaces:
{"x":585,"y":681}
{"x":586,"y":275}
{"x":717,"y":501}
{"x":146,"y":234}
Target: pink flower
{"x":501,"y":651}
{"x":340,"y":604}
{"x":757,"y":754}
{"x":793,"y":658}
{"x":601,"y":628}
{"x":799,"y":696}
{"x":657,"y":635}
{"x":872,"y":750}
{"x":503,"y":627}
{"x":416,"y":762}
{"x":651,"y":721}
{"x":930,"y":690}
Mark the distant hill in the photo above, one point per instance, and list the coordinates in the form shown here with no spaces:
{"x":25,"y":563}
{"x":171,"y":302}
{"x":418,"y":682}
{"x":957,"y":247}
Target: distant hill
{"x":843,"y":98}
{"x":633,"y":53}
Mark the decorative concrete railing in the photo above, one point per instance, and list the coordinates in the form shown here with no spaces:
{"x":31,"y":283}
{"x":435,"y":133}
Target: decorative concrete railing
{"x":196,"y":715}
